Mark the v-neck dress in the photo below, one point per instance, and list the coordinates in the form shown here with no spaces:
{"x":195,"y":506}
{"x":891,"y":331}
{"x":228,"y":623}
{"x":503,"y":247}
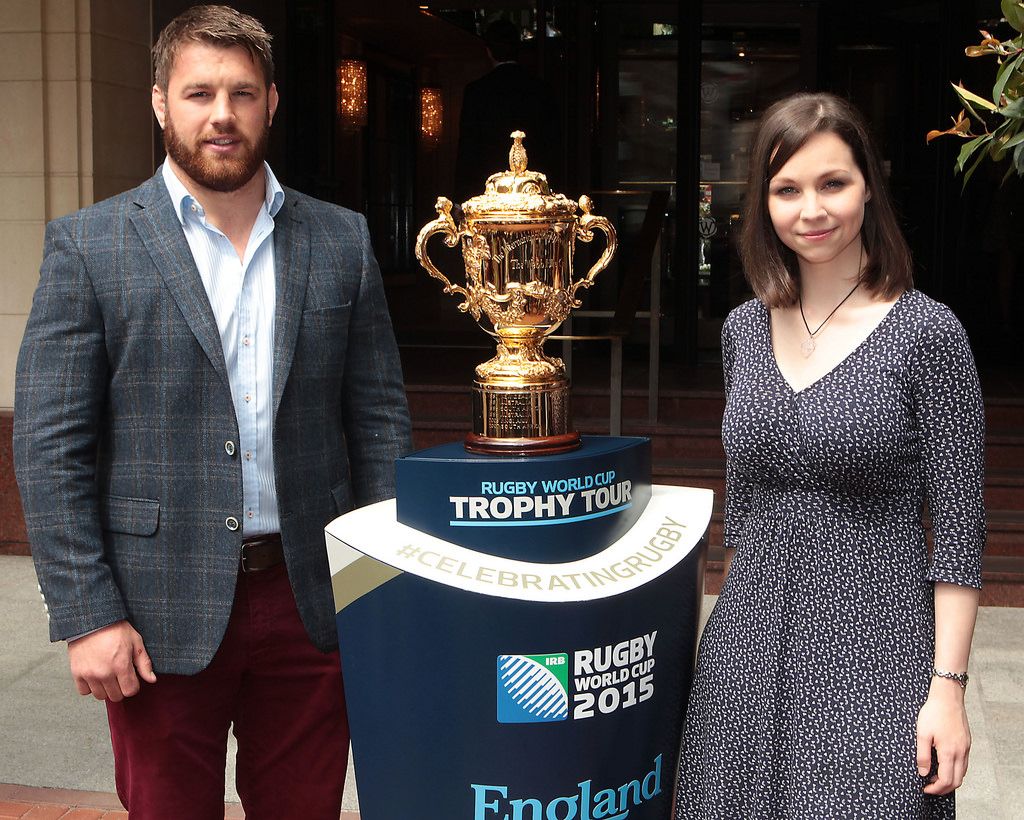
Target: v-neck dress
{"x":818,"y":654}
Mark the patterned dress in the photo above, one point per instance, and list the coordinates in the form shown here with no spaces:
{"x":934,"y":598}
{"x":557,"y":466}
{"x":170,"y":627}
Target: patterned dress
{"x":818,"y":655}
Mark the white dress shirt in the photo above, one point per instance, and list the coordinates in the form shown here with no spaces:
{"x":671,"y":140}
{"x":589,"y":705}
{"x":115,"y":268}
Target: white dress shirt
{"x":242,"y":295}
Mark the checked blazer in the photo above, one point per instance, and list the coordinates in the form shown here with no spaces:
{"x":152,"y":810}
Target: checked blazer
{"x":123,"y":418}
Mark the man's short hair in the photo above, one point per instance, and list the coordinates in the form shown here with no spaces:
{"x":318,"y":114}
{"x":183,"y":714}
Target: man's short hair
{"x":220,"y":26}
{"x":503,"y":40}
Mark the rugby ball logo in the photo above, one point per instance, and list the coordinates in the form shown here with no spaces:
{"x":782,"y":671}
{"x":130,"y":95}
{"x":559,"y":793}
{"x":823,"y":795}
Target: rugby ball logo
{"x":533,"y":688}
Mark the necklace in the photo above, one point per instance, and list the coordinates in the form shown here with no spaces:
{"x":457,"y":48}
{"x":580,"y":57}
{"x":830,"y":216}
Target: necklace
{"x":807,"y":346}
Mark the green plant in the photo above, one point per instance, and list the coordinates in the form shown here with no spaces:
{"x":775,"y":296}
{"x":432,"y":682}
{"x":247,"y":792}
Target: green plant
{"x":1001,"y":119}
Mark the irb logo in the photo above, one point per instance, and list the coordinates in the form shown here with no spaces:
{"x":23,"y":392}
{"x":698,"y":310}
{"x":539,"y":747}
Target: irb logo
{"x":533,"y":688}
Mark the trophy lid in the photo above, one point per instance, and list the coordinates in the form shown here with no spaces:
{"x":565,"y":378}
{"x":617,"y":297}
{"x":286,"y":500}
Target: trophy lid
{"x":518,"y":194}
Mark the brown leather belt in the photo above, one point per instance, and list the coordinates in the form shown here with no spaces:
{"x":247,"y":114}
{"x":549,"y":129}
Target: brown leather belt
{"x":262,"y":552}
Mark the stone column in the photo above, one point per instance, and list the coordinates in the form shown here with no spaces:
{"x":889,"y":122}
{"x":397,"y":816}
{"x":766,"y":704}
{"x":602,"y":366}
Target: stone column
{"x":75,"y":127}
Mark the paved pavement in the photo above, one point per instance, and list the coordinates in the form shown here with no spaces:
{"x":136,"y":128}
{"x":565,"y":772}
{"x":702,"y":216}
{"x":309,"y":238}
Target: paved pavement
{"x":52,"y":737}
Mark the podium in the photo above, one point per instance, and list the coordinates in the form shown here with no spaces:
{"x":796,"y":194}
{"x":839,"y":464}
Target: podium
{"x":485,"y":683}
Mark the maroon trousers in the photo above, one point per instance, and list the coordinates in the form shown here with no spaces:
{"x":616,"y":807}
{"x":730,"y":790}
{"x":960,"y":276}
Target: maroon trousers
{"x":284,"y":698}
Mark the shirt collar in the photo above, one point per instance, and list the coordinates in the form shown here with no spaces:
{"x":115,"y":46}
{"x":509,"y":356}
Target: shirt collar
{"x":183,"y":200}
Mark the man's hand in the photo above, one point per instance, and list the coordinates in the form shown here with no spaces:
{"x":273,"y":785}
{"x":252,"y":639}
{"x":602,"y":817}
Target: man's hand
{"x":104,"y":663}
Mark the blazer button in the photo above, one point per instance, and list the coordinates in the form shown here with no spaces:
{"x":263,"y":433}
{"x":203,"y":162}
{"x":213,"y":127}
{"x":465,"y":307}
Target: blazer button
{"x":231,"y":523}
{"x":229,"y":447}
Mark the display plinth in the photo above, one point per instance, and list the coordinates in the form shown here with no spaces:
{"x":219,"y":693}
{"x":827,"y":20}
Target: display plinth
{"x":489,"y":688}
{"x":544,"y":508}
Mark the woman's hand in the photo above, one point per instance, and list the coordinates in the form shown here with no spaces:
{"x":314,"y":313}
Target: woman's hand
{"x":942,"y":724}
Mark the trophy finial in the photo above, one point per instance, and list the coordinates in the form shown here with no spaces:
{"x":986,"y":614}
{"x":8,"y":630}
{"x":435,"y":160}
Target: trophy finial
{"x":517,"y":155}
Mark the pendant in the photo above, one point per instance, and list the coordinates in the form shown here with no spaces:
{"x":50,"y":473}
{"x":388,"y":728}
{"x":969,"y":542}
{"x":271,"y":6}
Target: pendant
{"x":807,"y":347}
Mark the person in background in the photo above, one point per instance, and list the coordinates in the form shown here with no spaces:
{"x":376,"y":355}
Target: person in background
{"x":208,"y":377}
{"x":508,"y":98}
{"x":830,"y":677}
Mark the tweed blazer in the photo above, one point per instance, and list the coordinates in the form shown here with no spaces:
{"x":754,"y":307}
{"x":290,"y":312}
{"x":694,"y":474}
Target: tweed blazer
{"x":125,"y":436}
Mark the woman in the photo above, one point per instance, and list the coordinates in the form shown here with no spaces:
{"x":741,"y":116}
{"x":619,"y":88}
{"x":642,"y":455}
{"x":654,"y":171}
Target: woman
{"x":830,"y":677}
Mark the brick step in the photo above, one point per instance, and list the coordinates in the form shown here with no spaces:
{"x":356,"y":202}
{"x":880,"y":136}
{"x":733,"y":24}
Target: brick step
{"x":1004,"y":490}
{"x":1006,"y":414}
{"x":688,"y":406}
{"x":431,"y":402}
{"x":432,"y":433}
{"x":1004,"y":449}
{"x":439,"y":402}
{"x":698,"y":441}
{"x":1005,"y":529}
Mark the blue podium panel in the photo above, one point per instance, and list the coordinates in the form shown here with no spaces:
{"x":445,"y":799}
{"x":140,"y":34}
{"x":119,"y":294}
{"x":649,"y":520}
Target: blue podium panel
{"x":481,"y":687}
{"x":543,"y":508}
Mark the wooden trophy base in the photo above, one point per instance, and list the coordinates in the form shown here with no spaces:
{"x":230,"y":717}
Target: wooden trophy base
{"x":537,"y":446}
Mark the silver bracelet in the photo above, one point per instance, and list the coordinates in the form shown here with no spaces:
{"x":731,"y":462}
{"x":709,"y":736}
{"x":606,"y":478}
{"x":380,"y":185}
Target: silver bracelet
{"x":959,"y":677}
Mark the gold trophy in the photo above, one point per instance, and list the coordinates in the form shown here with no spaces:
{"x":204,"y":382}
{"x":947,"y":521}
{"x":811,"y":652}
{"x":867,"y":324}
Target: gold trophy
{"x":518,"y":240}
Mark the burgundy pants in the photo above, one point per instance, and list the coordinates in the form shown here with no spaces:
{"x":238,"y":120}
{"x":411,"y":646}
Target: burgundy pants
{"x":285,"y":700}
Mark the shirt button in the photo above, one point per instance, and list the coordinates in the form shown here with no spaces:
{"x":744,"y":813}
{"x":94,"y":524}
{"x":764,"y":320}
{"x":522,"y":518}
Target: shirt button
{"x":248,"y":397}
{"x":231,"y":523}
{"x":229,"y":447}
{"x":194,"y":207}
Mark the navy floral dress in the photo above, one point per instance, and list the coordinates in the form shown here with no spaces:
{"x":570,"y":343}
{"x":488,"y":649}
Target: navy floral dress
{"x":818,"y":655}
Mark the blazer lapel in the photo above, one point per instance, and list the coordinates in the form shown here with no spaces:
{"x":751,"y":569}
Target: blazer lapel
{"x":291,"y":272}
{"x":161,"y":233}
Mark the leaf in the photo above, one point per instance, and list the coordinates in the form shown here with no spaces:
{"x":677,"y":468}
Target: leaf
{"x":1014,"y":86}
{"x":1013,"y":141}
{"x":1013,"y":11}
{"x":1014,"y":110}
{"x":1006,"y":71}
{"x":1003,"y":138}
{"x":1018,"y":159}
{"x":974,"y":166}
{"x":969,"y":97}
{"x":949,"y":132}
{"x":970,"y":110}
{"x":969,"y":148}
{"x":961,"y":128}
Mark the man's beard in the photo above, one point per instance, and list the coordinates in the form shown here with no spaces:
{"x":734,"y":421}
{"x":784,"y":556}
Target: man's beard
{"x":222,"y":174}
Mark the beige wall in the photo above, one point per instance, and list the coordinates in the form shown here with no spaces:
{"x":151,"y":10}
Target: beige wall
{"x":75,"y":127}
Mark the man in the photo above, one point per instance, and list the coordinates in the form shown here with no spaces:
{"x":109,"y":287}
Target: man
{"x":208,"y":377}
{"x":508,"y":98}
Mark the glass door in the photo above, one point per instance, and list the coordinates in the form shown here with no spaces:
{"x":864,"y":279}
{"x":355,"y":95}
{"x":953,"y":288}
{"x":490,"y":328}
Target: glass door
{"x":751,"y":56}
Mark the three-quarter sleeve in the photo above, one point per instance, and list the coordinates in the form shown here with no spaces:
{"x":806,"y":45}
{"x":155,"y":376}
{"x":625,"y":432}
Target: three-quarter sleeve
{"x":951,"y":423}
{"x":738,"y":490}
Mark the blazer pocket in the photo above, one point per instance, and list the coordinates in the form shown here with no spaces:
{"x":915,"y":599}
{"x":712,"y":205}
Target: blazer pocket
{"x":342,"y":497}
{"x":323,"y":328}
{"x":328,"y":313}
{"x":132,"y":516}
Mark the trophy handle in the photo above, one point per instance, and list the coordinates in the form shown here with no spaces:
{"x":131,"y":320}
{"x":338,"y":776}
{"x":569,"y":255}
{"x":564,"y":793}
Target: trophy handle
{"x":444,"y":224}
{"x":585,"y":233}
